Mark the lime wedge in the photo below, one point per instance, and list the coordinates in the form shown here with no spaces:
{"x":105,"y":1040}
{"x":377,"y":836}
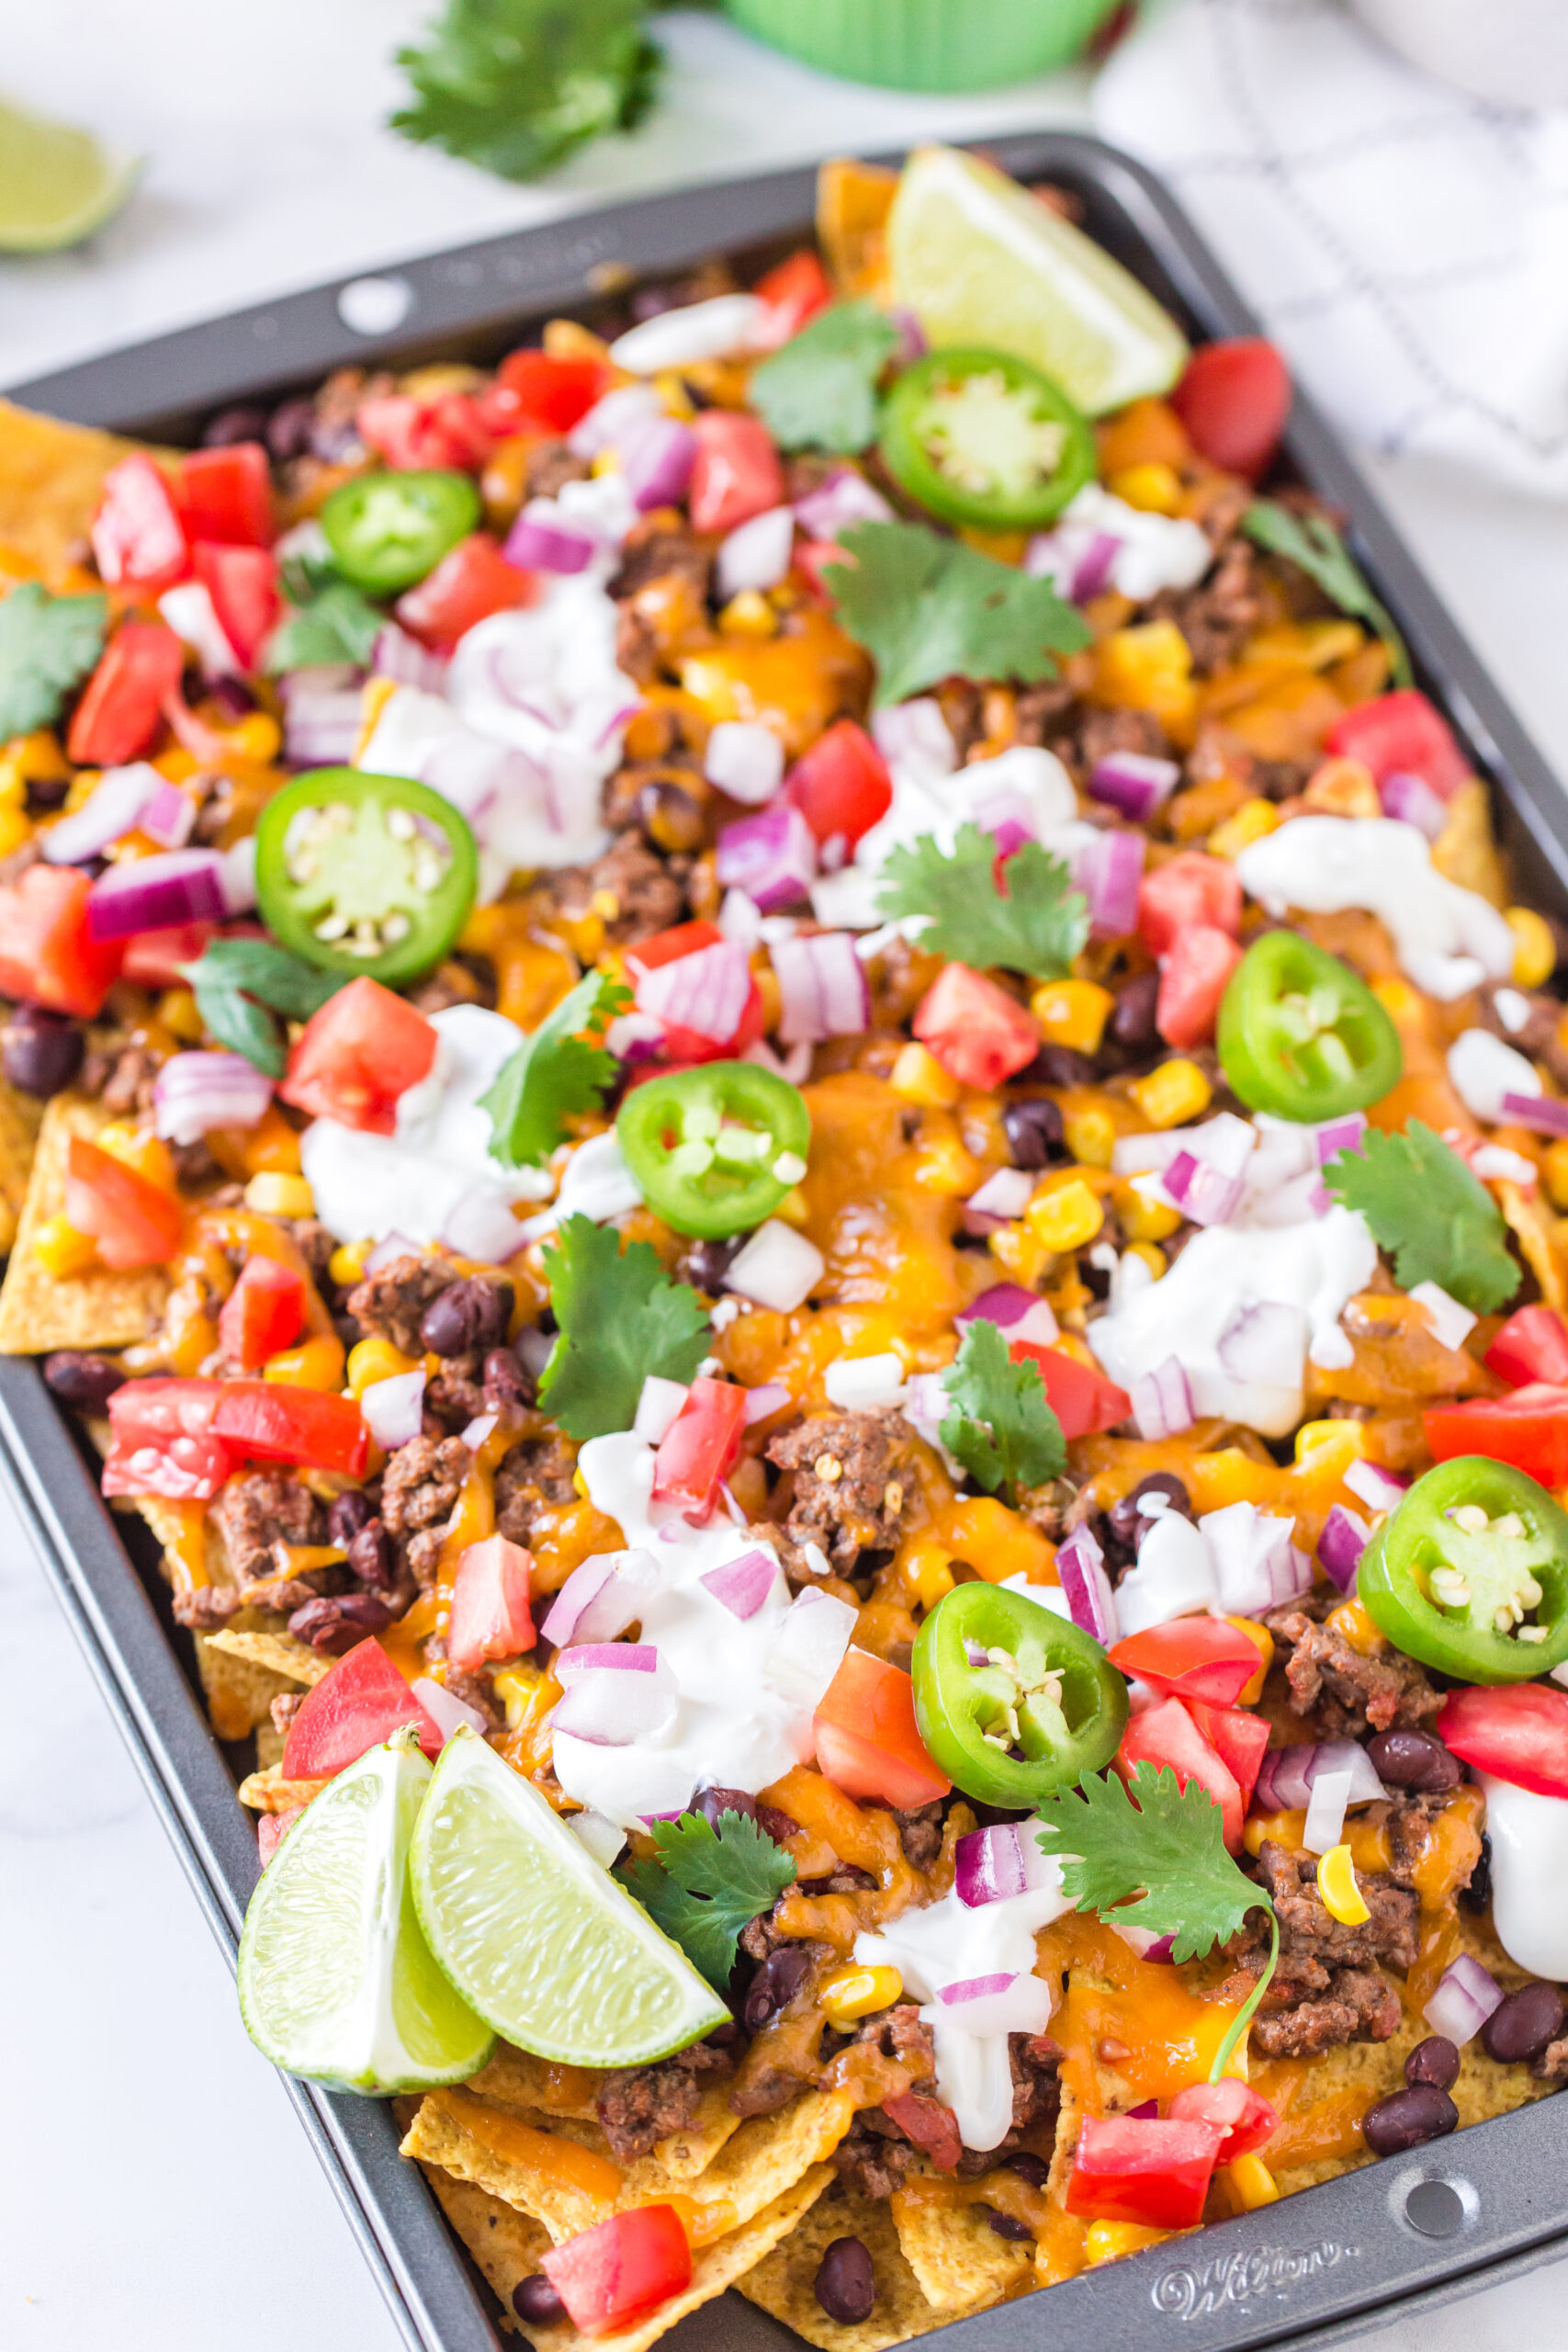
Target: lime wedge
{"x":980,"y":261}
{"x":57,"y":184}
{"x":535,"y":1935}
{"x":336,"y":1982}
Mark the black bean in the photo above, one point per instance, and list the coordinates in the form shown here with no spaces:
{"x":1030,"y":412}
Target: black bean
{"x":713,"y":1802}
{"x":46,"y":792}
{"x":1129,"y":1524}
{"x":335,"y":1624}
{"x":707,"y":1262}
{"x":776,"y":1824}
{"x":774,"y":1986}
{"x":372,"y":1556}
{"x":1034,"y":1130}
{"x":288,"y":428}
{"x":346,"y":1514}
{"x":468,"y":1315}
{"x":1414,"y":1760}
{"x":42,"y":1052}
{"x":1405,"y":2118}
{"x":1033,"y":2169}
{"x":77,"y":1378}
{"x":1433,"y":2061}
{"x":233,"y":697}
{"x":1059,"y":1066}
{"x":537,"y":2303}
{"x":231,"y":424}
{"x":1132,"y":1021}
{"x":846,"y":2283}
{"x":1523,"y":2023}
{"x":1004,"y":2224}
{"x":509,"y":1385}
{"x":1475,"y":1895}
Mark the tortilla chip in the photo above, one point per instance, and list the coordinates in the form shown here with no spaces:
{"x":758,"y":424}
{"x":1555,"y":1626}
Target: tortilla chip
{"x":1535,"y":1229}
{"x":51,"y":476}
{"x":507,"y":2246}
{"x":688,"y":2153}
{"x":784,"y":2282}
{"x":956,"y":2255}
{"x":239,"y":1693}
{"x":268,"y":1792}
{"x":39,"y":1310}
{"x":1466,"y":850}
{"x":270,"y":1744}
{"x":21,"y":1116}
{"x":525,"y":2086}
{"x":279,"y":1654}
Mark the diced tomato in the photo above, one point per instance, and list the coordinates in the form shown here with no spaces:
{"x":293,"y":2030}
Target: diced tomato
{"x":1194,"y":974}
{"x":181,"y":1469}
{"x":1401,"y":734}
{"x":153,"y":958}
{"x":491,"y":1615}
{"x":271,"y":1420}
{"x":1191,"y":890}
{"x":151,"y":1412}
{"x":929,"y":2125}
{"x":1190,"y":1657}
{"x":547,"y":394}
{"x":362,"y":1701}
{"x":620,"y":2269}
{"x":137,"y":538}
{"x":1244,"y":2116}
{"x":1147,"y":2170}
{"x":1168,"y":1734}
{"x":1528,"y":1429}
{"x":263,"y":1312}
{"x":1234,"y":399}
{"x":46,"y":954}
{"x":1519,"y":1732}
{"x":471,"y":582}
{"x":979,"y":1033}
{"x":272,"y":1828}
{"x":867,"y":1740}
{"x":794,"y":291}
{"x":243,"y":584}
{"x":226,"y":495}
{"x":133,"y":1221}
{"x":736,"y":473}
{"x":417,"y":436}
{"x":1531,"y":1346}
{"x":841,"y":786}
{"x":122,"y":702}
{"x":358,"y":1054}
{"x":811,"y":559}
{"x":1238,"y":1737}
{"x":699,"y":1446}
{"x":687,"y":1047}
{"x":1078,"y":1393}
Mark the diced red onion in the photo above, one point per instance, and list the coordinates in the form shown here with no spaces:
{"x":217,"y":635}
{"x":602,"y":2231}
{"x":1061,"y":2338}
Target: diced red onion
{"x":634,"y":1036}
{"x":771,"y":856}
{"x":597,"y":1834}
{"x":1092,"y":569}
{"x":770,"y":1397}
{"x":1411,"y":799}
{"x":445,"y":1711}
{"x":822,"y":988}
{"x":1005,"y":1193}
{"x":1336,"y":1135}
{"x":1379,"y":1488}
{"x":1134,"y":783}
{"x":996,"y":2003}
{"x":1544,"y":1114}
{"x":657,"y":466}
{"x":628,"y":410}
{"x":1108,"y":870}
{"x":989,"y":1865}
{"x":178,"y":886}
{"x":323,"y":715}
{"x":483,"y":1227}
{"x":1286,"y":1775}
{"x":600,"y":1598}
{"x":916,"y":732}
{"x":809,"y":1648}
{"x":1339,"y":1548}
{"x":756,"y":555}
{"x":1257,"y":1566}
{"x":844,"y":498}
{"x":237,"y":876}
{"x":745,"y":759}
{"x":618,"y":1657}
{"x":195,"y":1092}
{"x":742,"y":1586}
{"x":1465,"y":1997}
{"x":395,"y":1246}
{"x":402,"y":658}
{"x":124,"y":800}
{"x":1021,"y":1313}
{"x":394,"y":1408}
{"x":1325,"y":1823}
{"x":1200,"y":1191}
{"x":1008,"y":817}
{"x":1162,"y":1402}
{"x":912,"y":343}
{"x":658,"y":1407}
{"x":707,"y":992}
{"x":1155,"y":1949}
{"x":544,"y":540}
{"x":777,"y":1268}
{"x":1265,"y":1343}
{"x":864,"y":1384}
{"x":690,"y":331}
{"x":474,"y":1434}
{"x":190,"y":612}
{"x":1081,"y":1564}
{"x":616,"y":1692}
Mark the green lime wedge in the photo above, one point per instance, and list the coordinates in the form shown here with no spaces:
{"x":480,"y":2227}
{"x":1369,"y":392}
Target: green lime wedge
{"x":535,"y":1935}
{"x":57,"y":184}
{"x":980,"y":261}
{"x":336,"y":1982}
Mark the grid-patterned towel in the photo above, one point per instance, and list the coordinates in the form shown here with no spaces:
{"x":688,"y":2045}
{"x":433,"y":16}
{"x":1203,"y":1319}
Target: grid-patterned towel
{"x":1408,"y":246}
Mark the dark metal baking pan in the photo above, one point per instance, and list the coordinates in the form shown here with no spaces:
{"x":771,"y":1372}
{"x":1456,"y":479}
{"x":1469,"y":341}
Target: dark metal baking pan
{"x":1381,"y":2244}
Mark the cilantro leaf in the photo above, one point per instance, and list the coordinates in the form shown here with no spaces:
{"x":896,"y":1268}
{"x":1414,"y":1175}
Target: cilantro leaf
{"x":708,"y":1884}
{"x":556,"y":1071}
{"x":514,"y":85}
{"x":1001,"y":1429}
{"x":928,"y":609}
{"x":1437,"y":1222}
{"x":1314,"y":546}
{"x":48,"y":644}
{"x":1037,"y":927}
{"x":337,"y":624}
{"x":621,"y":1318}
{"x":235,"y":981}
{"x":820,"y":390}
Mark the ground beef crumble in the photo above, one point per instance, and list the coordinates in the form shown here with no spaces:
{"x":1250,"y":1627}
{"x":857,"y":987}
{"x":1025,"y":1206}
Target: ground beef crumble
{"x":1218,"y":617}
{"x":632,"y":889}
{"x":639,"y":2106}
{"x":419,"y":1493}
{"x":851,"y":1478}
{"x":1341,"y":1691}
{"x":1328,"y":1987}
{"x":257,"y":1509}
{"x":391,"y":1304}
{"x":538,"y":1475}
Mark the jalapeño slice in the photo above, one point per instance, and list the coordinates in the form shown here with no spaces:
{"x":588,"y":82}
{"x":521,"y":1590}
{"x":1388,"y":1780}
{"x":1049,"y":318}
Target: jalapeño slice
{"x":1470,"y":1575}
{"x":1012,"y":1699}
{"x":716,"y":1148}
{"x":980,"y":437}
{"x":1301,"y":1035}
{"x":365,"y":873}
{"x":386,"y":531}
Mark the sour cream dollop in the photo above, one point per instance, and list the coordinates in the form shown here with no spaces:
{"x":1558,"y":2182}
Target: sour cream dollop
{"x":1529,"y":1875}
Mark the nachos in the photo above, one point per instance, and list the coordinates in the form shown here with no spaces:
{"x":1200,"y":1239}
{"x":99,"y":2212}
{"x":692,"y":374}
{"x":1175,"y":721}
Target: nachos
{"x":780,"y":1104}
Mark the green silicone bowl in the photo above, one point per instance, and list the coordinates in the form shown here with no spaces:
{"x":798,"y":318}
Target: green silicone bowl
{"x":943,"y":45}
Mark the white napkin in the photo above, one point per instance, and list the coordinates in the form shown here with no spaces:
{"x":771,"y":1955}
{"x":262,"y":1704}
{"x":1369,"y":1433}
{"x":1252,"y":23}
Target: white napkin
{"x":1406,"y":245}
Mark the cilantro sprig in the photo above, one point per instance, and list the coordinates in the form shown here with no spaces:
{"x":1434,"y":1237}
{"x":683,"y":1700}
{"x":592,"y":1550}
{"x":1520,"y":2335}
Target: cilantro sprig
{"x":620,"y":1319}
{"x":515,"y":86}
{"x":240,"y":984}
{"x":561,"y":1069}
{"x":927,"y":608}
{"x":1314,"y":546}
{"x":1164,"y":1845}
{"x":48,"y":645}
{"x":330,"y":623}
{"x":707,"y":1884}
{"x":1037,"y":924}
{"x":1437,"y":1221}
{"x":820,"y":390}
{"x":1001,"y":1428}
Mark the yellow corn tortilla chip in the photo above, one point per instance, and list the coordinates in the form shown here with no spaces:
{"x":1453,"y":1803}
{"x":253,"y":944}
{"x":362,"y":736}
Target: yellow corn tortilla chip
{"x":51,"y":475}
{"x":1533,"y":1226}
{"x":1466,"y":850}
{"x":39,"y":1310}
{"x":687,"y":2153}
{"x":270,"y":1744}
{"x":21,"y":1116}
{"x":268,"y":1792}
{"x":277,"y":1654}
{"x":525,"y":2086}
{"x":784,"y":2282}
{"x":955,"y":2254}
{"x":239,"y":1693}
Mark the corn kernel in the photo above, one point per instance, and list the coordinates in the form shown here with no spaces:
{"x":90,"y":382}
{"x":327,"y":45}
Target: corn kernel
{"x":1152,"y":488}
{"x":1250,"y":822}
{"x":1090,"y":1133}
{"x":315,"y":1363}
{"x":1110,"y":2241}
{"x":1144,"y":1218}
{"x":793,"y":1208}
{"x":178,"y":1010}
{"x":1555,"y":1172}
{"x":38,"y":756}
{"x":607,"y":462}
{"x":1066,"y":1218}
{"x":929,"y":1573}
{"x":918,"y":1076}
{"x":1336,"y":1884}
{"x":851,"y":1993}
{"x":1072,"y":1012}
{"x":1153,"y":1258}
{"x":1282,"y":1829}
{"x":13,"y":783}
{"x":1535,"y":950}
{"x":346,"y":1264}
{"x":373,"y":1359}
{"x":1019,"y":1253}
{"x":1253,"y":2182}
{"x":1262,"y":1641}
{"x":1345,"y":1437}
{"x":137,"y":1148}
{"x":1173,"y":1094}
{"x":15,"y":826}
{"x":677,"y":400}
{"x":274,"y":1194}
{"x":256,"y":738}
{"x":60,"y":1250}
{"x":748,"y":614}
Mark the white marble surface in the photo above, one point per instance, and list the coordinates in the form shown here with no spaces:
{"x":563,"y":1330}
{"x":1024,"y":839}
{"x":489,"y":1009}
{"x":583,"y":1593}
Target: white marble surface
{"x":155,"y":2191}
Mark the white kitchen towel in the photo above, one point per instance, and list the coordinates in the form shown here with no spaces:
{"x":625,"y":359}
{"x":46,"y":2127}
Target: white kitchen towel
{"x":1406,"y":245}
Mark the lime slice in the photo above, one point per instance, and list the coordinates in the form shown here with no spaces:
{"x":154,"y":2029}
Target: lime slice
{"x":535,"y":1935}
{"x":57,"y":184}
{"x":980,"y":261}
{"x":336,"y":1982}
